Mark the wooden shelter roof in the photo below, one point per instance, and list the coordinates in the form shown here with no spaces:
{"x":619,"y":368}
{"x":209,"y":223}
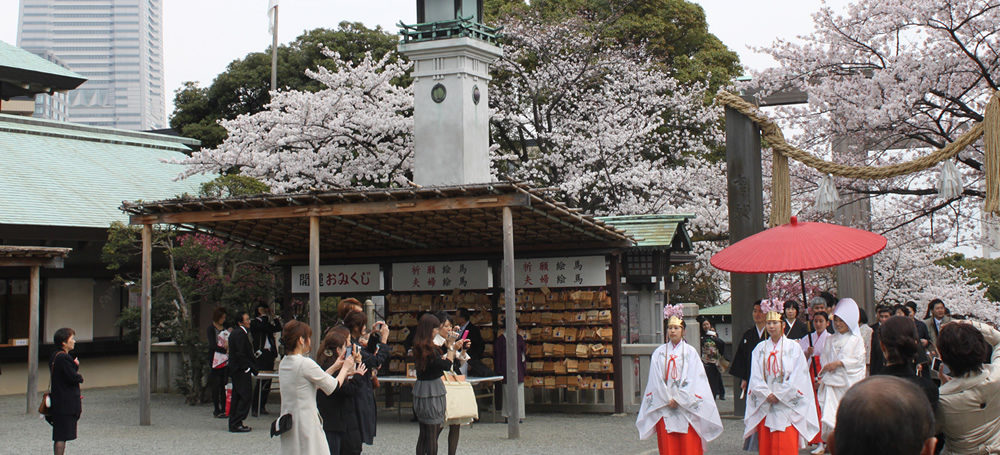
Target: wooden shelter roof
{"x":22,"y":256}
{"x":444,"y":220}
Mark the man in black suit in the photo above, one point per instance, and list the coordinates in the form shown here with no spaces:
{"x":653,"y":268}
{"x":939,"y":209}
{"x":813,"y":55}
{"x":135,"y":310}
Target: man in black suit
{"x":476,"y":344}
{"x":877,"y":362}
{"x":241,"y":366}
{"x":262,"y":329}
{"x":741,"y":360}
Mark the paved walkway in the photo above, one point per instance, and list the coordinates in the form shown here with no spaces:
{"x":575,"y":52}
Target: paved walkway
{"x":110,"y":416}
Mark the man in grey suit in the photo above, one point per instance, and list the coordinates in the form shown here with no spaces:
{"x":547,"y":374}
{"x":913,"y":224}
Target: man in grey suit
{"x":937,"y":316}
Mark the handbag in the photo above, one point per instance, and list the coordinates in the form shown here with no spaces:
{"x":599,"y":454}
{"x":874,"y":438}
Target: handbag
{"x":46,"y":405}
{"x":281,"y":425}
{"x":460,"y":399}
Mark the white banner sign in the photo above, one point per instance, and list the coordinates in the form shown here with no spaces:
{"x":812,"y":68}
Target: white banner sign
{"x":440,"y":276}
{"x":338,"y":278}
{"x":562,"y":272}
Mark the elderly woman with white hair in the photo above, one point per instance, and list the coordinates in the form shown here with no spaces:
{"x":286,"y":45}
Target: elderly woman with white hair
{"x":843,"y":360}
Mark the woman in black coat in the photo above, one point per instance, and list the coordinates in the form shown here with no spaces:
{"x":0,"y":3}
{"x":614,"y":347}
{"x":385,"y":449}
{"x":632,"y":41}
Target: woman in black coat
{"x":897,"y":337}
{"x":374,"y":352}
{"x":340,"y":416}
{"x":64,"y":383}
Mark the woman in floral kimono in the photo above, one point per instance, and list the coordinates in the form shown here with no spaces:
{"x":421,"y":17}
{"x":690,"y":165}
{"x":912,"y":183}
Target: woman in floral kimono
{"x":781,"y":407}
{"x":678,"y":404}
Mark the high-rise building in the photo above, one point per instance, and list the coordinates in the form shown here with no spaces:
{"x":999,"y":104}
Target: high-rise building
{"x":116,"y":44}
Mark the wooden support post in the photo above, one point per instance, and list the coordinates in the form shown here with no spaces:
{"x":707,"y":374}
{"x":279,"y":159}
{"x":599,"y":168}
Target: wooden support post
{"x":510,"y":390}
{"x":33,"y":342}
{"x":145,"y":340}
{"x":615,"y":289}
{"x":746,"y":218}
{"x":314,"y":322}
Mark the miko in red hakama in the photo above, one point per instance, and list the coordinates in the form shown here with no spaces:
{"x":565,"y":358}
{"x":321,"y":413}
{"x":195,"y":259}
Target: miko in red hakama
{"x":683,"y":429}
{"x":778,"y":442}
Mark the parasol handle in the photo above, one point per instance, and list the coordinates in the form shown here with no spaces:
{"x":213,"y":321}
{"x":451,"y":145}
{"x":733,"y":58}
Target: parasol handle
{"x":802,"y":281}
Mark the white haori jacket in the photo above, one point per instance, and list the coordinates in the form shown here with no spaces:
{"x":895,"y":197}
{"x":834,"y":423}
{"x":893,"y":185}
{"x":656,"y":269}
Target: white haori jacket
{"x":849,"y":349}
{"x":684,"y":382}
{"x":780,"y":369}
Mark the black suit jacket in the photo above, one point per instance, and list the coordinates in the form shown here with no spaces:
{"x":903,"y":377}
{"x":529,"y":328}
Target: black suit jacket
{"x":741,"y":360}
{"x":261,"y":330}
{"x":65,"y":385}
{"x":877,"y":361}
{"x":240,"y":352}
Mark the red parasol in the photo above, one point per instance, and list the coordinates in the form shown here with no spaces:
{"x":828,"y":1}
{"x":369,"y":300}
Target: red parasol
{"x":795,"y":247}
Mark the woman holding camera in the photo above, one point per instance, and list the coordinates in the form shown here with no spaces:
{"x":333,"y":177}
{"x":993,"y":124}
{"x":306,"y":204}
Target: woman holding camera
{"x":340,"y":416}
{"x":969,"y":404}
{"x":370,"y":349}
{"x":461,"y":357}
{"x":429,"y":402}
{"x":65,"y":380}
{"x":300,"y":377}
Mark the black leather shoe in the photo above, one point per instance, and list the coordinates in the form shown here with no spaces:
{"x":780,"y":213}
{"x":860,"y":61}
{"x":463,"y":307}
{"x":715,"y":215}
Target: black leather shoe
{"x":240,"y":429}
{"x":221,"y":416}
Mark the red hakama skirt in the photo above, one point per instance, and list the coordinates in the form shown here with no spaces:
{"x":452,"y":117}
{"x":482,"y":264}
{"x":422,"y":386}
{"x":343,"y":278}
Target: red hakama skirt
{"x":813,"y":369}
{"x":677,"y":443}
{"x":778,"y":442}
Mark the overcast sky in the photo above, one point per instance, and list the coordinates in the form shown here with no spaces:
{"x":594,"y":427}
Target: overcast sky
{"x":202,"y":36}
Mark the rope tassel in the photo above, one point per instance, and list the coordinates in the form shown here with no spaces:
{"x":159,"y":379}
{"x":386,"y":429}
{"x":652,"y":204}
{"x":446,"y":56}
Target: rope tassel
{"x":950,"y":185}
{"x":827,"y":198}
{"x":991,"y":142}
{"x":781,"y":191}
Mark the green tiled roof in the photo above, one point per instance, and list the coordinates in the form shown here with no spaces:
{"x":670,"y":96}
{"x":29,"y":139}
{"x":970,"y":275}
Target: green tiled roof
{"x":726,"y":309}
{"x":15,"y":57}
{"x":651,"y":230}
{"x":25,"y":74}
{"x":63,"y":174}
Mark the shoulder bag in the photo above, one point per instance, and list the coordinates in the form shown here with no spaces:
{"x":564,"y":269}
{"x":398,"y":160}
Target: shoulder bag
{"x":46,"y":405}
{"x":460,"y":398}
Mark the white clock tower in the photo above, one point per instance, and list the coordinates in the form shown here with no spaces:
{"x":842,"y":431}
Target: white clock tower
{"x":451,"y":51}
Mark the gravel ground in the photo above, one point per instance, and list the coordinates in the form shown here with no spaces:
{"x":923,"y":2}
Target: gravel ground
{"x":109,"y":426}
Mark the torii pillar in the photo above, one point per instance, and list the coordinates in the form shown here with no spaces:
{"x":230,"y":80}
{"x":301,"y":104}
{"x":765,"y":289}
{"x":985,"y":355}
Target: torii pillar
{"x":746,"y":218}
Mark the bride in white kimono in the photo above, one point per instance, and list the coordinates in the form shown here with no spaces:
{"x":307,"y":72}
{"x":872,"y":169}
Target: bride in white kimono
{"x":678,"y":404}
{"x":781,"y":406}
{"x":843,"y":360}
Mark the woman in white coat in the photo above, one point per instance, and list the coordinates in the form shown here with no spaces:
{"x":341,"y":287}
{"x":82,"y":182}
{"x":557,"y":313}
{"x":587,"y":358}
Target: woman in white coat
{"x":843,"y":360}
{"x":678,"y":404}
{"x":300,"y":377}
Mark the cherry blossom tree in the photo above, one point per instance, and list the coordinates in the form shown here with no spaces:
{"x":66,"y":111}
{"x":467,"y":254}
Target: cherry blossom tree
{"x":602,"y":123}
{"x":895,"y":78}
{"x":357,"y":132}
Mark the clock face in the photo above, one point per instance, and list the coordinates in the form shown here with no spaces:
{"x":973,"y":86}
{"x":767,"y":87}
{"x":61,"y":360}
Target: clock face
{"x":438,"y":93}
{"x":475,"y":94}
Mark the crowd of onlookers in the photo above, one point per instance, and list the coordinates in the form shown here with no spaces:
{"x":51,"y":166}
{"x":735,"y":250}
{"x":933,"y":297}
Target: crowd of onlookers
{"x":933,"y":383}
{"x":328,"y":399}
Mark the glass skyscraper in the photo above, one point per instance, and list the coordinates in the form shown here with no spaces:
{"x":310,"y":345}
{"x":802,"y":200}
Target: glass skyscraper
{"x":116,"y":44}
